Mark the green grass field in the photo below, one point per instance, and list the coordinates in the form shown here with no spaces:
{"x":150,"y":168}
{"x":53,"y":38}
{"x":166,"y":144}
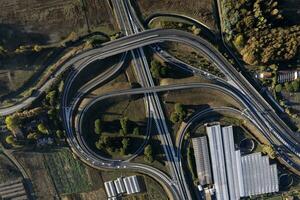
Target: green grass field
{"x":68,"y":175}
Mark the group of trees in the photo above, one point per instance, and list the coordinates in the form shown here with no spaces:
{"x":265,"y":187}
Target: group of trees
{"x":179,"y":113}
{"x":112,"y":144}
{"x":289,"y":86}
{"x":148,"y":152}
{"x":125,"y":127}
{"x":158,"y":70}
{"x":254,"y":28}
{"x":98,"y":126}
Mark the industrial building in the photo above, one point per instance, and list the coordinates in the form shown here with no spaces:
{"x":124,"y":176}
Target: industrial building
{"x":236,"y":176}
{"x":128,"y":185}
{"x":202,"y":162}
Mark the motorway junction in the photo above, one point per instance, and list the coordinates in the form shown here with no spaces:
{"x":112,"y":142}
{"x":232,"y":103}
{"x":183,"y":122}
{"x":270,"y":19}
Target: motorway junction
{"x":200,"y":132}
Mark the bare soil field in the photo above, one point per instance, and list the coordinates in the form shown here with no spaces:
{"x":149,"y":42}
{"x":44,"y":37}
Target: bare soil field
{"x":48,"y":21}
{"x":199,"y":10}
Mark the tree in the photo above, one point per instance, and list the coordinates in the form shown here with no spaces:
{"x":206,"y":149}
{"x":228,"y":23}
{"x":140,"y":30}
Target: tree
{"x":268,"y":150}
{"x":278,"y":88}
{"x":32,"y":136}
{"x":125,"y":144}
{"x":97,"y":126}
{"x":163,"y":71}
{"x":124,"y":125}
{"x":10,"y":140}
{"x":12,"y":122}
{"x":288,"y":86}
{"x":136,"y":131}
{"x":239,"y":41}
{"x":155,"y":69}
{"x":295,"y":85}
{"x":174,"y":117}
{"x":51,"y":97}
{"x":178,"y":108}
{"x":99,"y":144}
{"x":59,"y":133}
{"x":42,"y":128}
{"x":148,"y":153}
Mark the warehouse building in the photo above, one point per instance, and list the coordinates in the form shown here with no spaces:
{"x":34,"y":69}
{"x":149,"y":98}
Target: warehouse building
{"x":128,"y":185}
{"x":120,"y":187}
{"x":110,"y":189}
{"x":238,"y":176}
{"x":132,"y":184}
{"x":201,"y":153}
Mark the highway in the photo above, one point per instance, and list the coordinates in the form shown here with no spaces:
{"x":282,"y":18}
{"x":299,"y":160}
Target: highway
{"x":156,"y":36}
{"x":144,"y":77}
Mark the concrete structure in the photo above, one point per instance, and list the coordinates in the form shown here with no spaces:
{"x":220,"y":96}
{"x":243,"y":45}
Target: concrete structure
{"x":238,"y":176}
{"x":202,"y":160}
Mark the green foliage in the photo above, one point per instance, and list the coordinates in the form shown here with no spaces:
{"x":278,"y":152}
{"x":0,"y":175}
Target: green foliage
{"x":239,"y":41}
{"x":269,"y":150}
{"x":99,"y":144}
{"x":43,"y":129}
{"x":12,"y":122}
{"x":136,"y":131}
{"x":124,"y":125}
{"x":179,"y":114}
{"x":174,"y":117}
{"x":288,"y":86}
{"x":148,"y":153}
{"x":155,"y":69}
{"x":98,"y":126}
{"x":51,"y":97}
{"x":59,"y":133}
{"x":278,"y":88}
{"x":10,"y":140}
{"x":256,"y":29}
{"x":191,"y":161}
{"x":125,"y":144}
{"x":32,"y":136}
{"x":295,"y":85}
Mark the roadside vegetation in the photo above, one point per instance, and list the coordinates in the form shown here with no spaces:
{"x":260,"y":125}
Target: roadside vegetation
{"x":191,"y":57}
{"x":39,"y":126}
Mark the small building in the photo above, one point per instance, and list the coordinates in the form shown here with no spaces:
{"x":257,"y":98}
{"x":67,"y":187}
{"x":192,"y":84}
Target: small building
{"x":110,"y":189}
{"x":132,"y":184}
{"x":120,"y":187}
